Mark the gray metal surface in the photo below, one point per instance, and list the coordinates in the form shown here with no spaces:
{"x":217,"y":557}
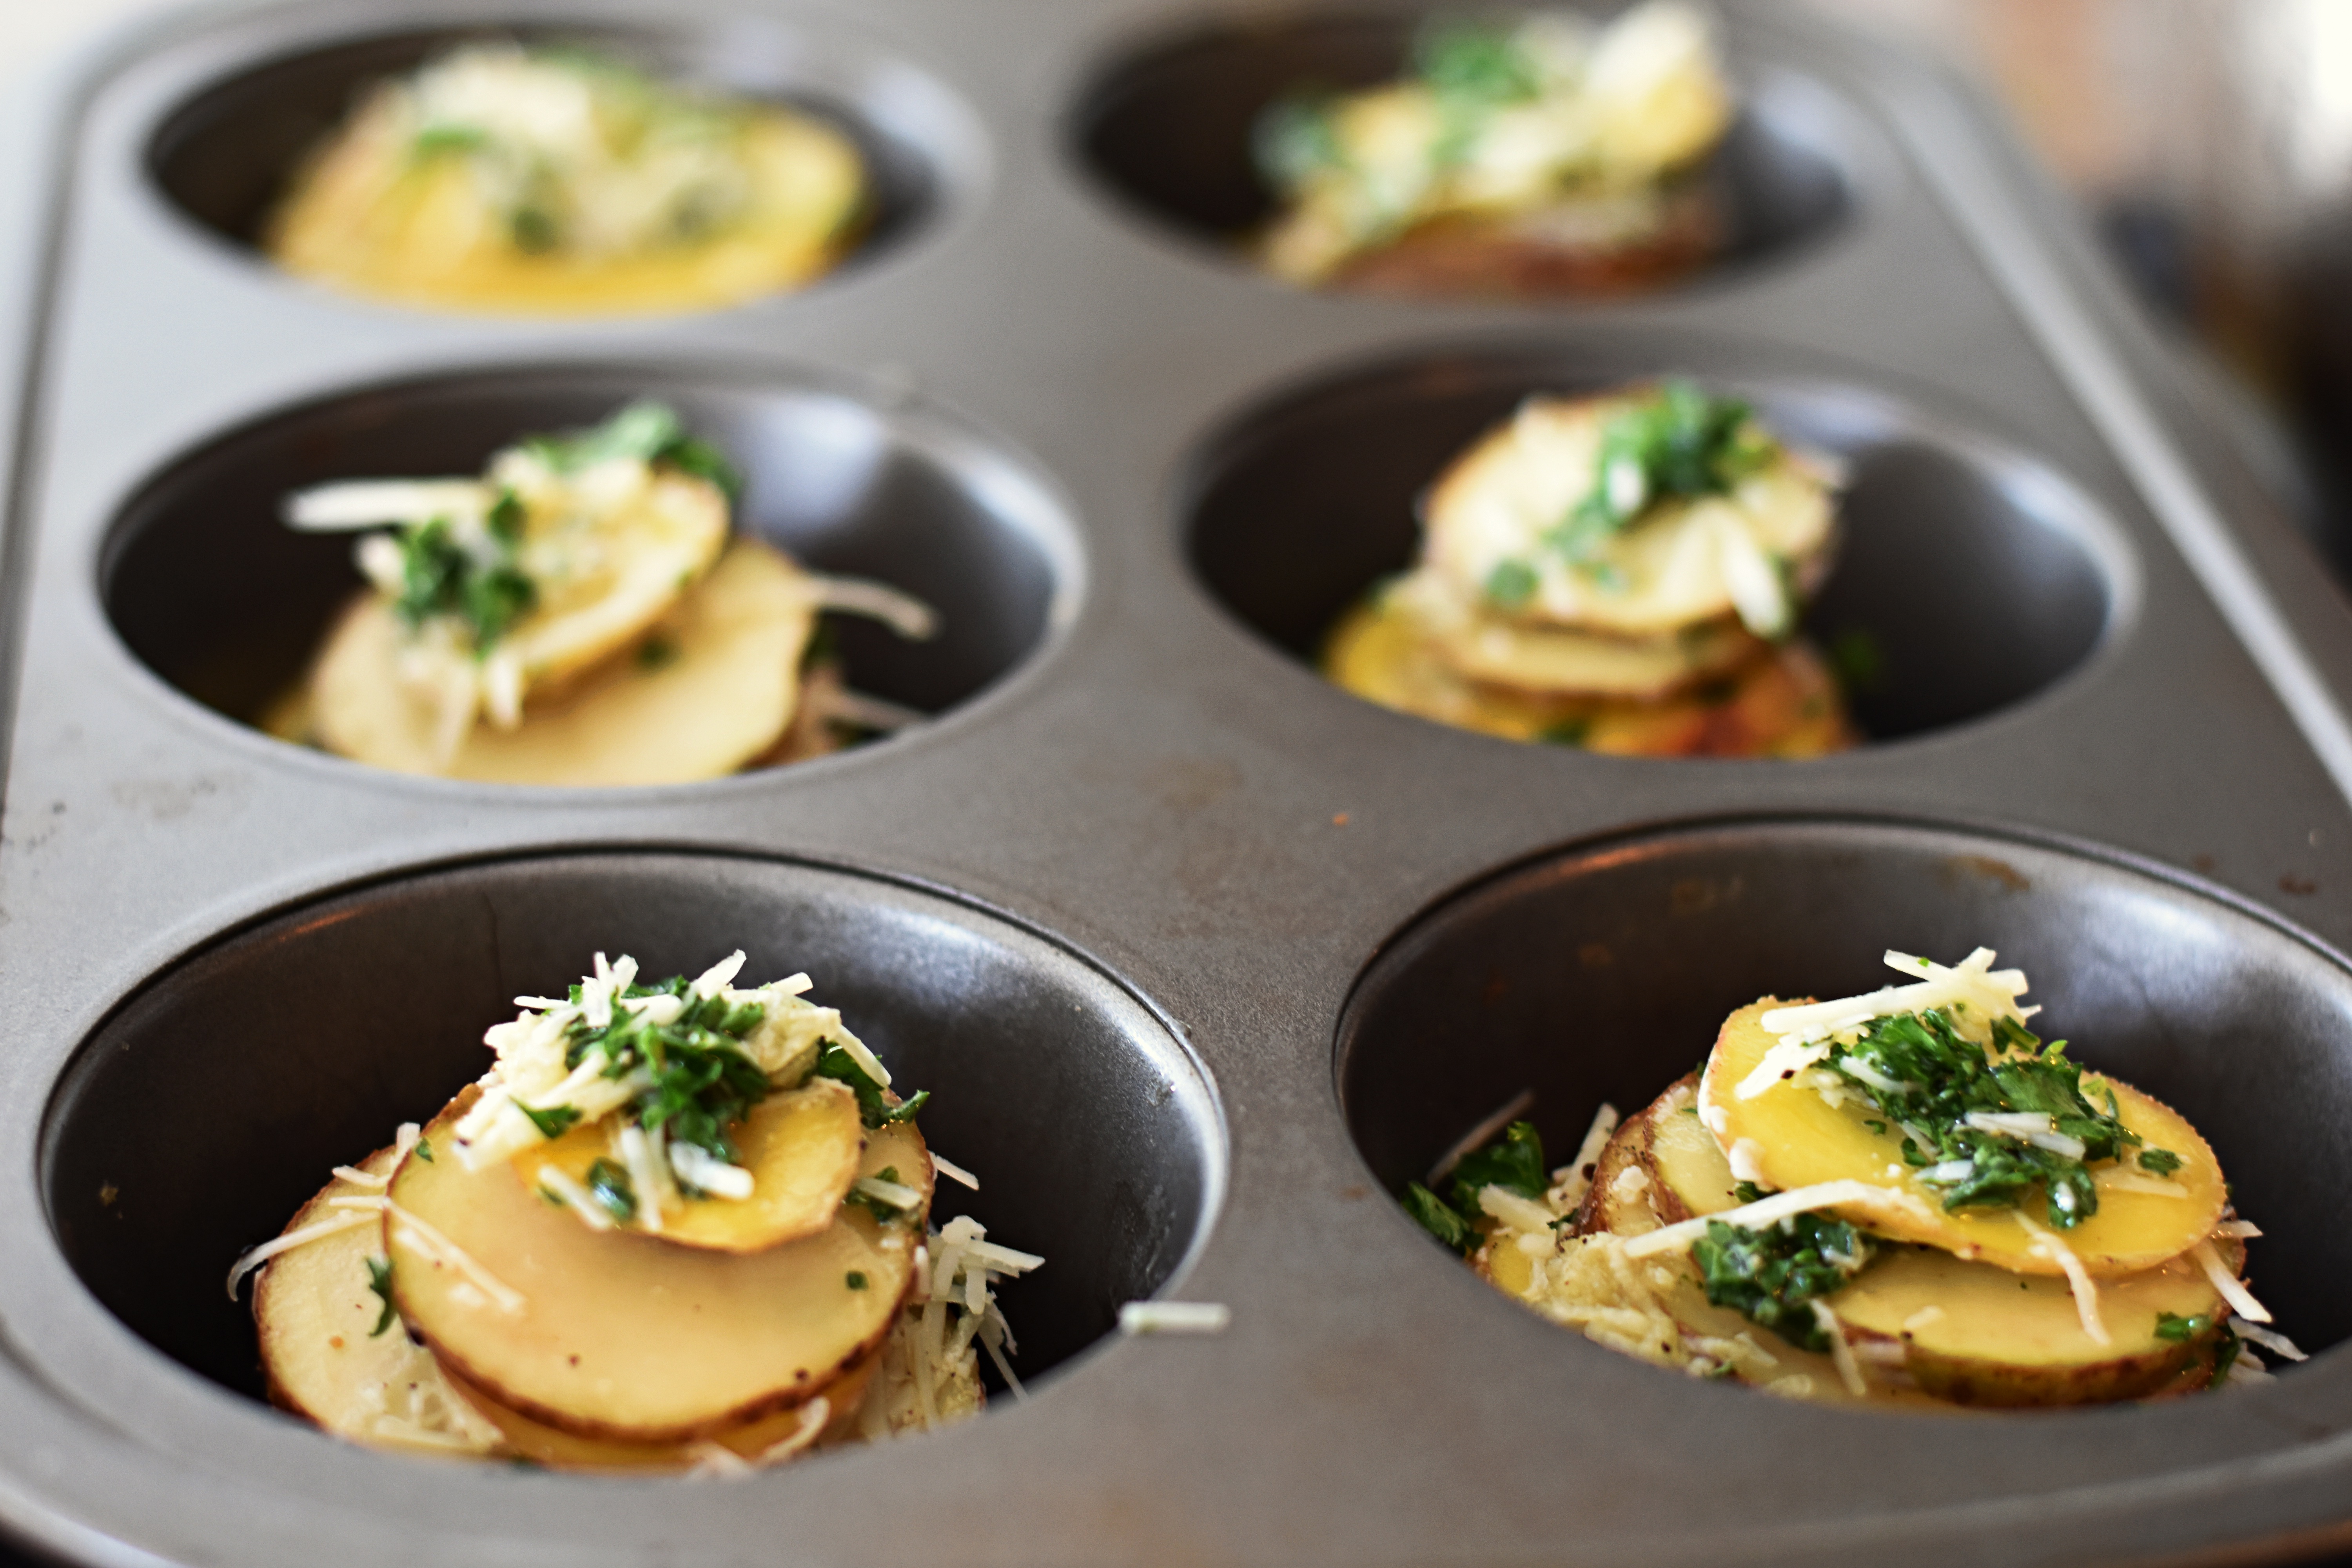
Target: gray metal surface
{"x":1172,"y":817}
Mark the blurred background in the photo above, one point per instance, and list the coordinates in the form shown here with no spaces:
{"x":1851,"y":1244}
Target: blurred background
{"x":2209,"y":143}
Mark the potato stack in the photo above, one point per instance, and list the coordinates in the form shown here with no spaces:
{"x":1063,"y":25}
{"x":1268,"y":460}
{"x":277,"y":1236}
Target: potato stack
{"x":580,"y":614}
{"x":1799,"y":1217}
{"x":678,"y":1225}
{"x":1621,"y":573}
{"x":560,"y":182}
{"x":1535,"y":157}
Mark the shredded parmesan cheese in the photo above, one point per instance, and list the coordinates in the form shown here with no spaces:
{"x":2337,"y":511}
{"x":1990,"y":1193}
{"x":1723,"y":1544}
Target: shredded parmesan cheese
{"x":953,"y":1172}
{"x":2269,"y":1339}
{"x":2242,"y":1300}
{"x":1987,"y":993}
{"x":421,"y":1235}
{"x":1569,"y":1182}
{"x":1174,"y":1318}
{"x":1842,"y":1353}
{"x":1772,"y":1210}
{"x":2078,"y":1279}
{"x":254,"y":1258}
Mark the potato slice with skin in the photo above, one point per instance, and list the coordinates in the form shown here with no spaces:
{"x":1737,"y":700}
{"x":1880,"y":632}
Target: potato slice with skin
{"x":802,"y":1147}
{"x":1975,"y":1334}
{"x":1676,"y":565}
{"x":724,"y":695}
{"x":1783,"y":705}
{"x":1993,"y":1339}
{"x":312,"y":1314}
{"x":1560,"y":661}
{"x":364,"y":216}
{"x":524,"y":1439}
{"x":1799,"y":1139}
{"x":623,"y":1336}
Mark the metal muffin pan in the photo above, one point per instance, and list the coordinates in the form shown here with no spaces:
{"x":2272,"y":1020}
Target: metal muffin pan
{"x":1132,"y":893}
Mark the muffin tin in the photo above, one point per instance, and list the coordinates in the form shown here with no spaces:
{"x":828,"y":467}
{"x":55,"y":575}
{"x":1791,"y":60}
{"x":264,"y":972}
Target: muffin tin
{"x":1202,"y":955}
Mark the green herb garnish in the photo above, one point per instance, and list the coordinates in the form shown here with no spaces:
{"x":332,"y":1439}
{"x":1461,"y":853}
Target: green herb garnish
{"x":648,"y":431}
{"x":1677,"y":443}
{"x":1438,"y":1218}
{"x":2225,"y":1355}
{"x":701,"y":1080}
{"x":1514,"y":1163}
{"x":1923,"y":1075}
{"x":474,"y":580}
{"x":1773,"y":1275}
{"x":424,"y":1149}
{"x":2178,"y":1329}
{"x":872,"y":1108}
{"x":552,"y":1123}
{"x":608,"y":1183}
{"x":1475,"y":65}
{"x":380,"y":1281}
{"x":656,"y":652}
{"x":855,"y":1280}
{"x":2161,"y":1162}
{"x":1511,"y":583}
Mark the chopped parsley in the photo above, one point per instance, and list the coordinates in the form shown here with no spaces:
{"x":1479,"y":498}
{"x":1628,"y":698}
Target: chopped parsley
{"x":380,"y":1282}
{"x":1475,"y":64}
{"x":424,"y":1149}
{"x":873,"y":1109}
{"x":1294,"y":140}
{"x":1927,"y":1078}
{"x":1773,"y":1275}
{"x":881,"y":1210}
{"x":609,"y":1185}
{"x":650,"y":432}
{"x":474,"y":579}
{"x":552,"y":1123}
{"x":1515,"y":1163}
{"x":1511,"y":583}
{"x":2162,"y":1162}
{"x":701,"y":1080}
{"x":2225,"y":1355}
{"x":855,"y":1280}
{"x":1567,"y":732}
{"x":1677,"y":443}
{"x":2181,"y":1331}
{"x":1858,"y":659}
{"x":1438,"y":1217}
{"x":656,"y":652}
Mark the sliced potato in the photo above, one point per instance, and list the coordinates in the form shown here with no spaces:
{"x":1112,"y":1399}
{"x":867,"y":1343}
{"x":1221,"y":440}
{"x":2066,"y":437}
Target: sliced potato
{"x":1688,"y":1168}
{"x":1783,"y":705}
{"x":802,"y":1147}
{"x":754,"y":1441}
{"x":1970,"y":1334}
{"x":1683,"y":561}
{"x":617,"y":1335}
{"x":1558,"y":661}
{"x":1610,"y":243}
{"x":1620,"y":1303}
{"x":717,"y":689}
{"x":314,"y":1315}
{"x":1799,"y":1139}
{"x":610,"y":550}
{"x":1976,"y":1334}
{"x":367,"y":216}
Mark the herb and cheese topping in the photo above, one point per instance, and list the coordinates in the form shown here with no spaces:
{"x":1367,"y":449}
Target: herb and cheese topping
{"x":562,"y":180}
{"x":657,"y":1092}
{"x":1635,"y":514}
{"x":1569,"y":129}
{"x":1906,"y":1194}
{"x":1622,"y":573}
{"x":580,"y":614}
{"x":717,"y":1339}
